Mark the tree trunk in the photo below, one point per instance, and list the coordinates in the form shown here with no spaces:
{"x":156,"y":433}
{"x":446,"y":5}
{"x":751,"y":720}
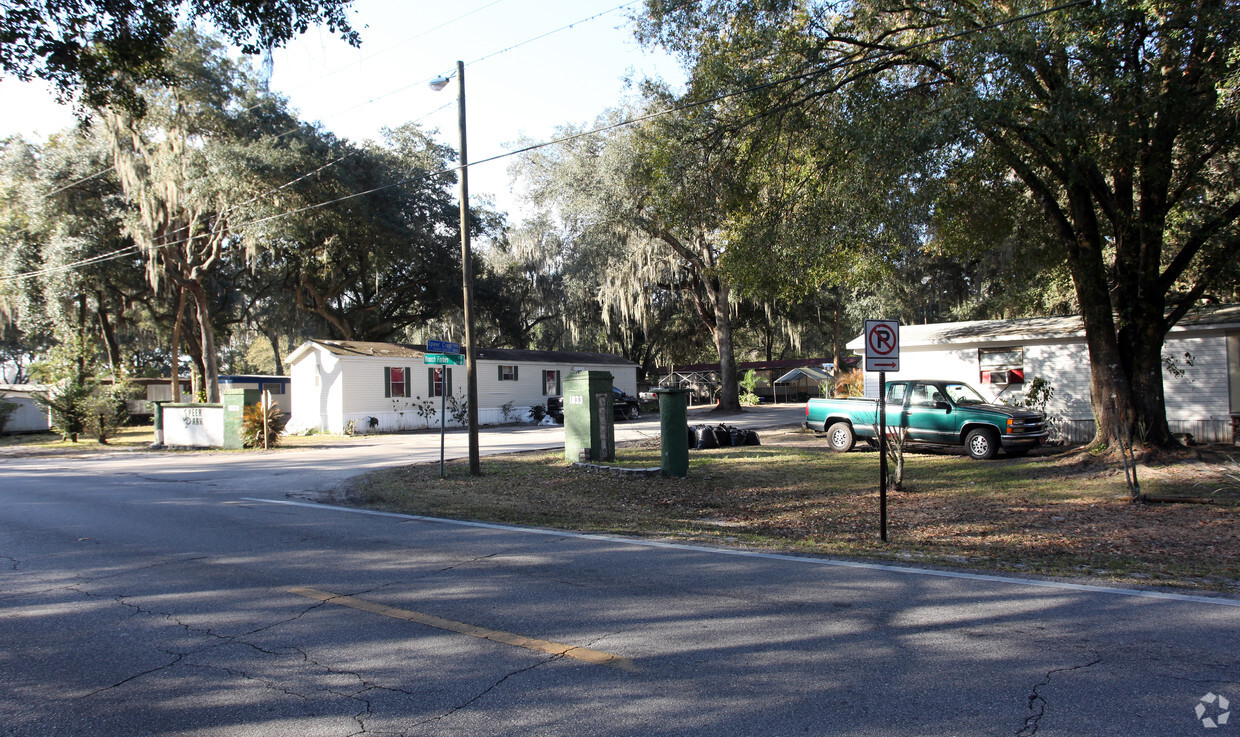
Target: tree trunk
{"x":174,"y":353}
{"x":729,"y":391}
{"x":1141,"y":346}
{"x":837,"y":340}
{"x":210,"y":362}
{"x":274,"y":339}
{"x":108,"y":334}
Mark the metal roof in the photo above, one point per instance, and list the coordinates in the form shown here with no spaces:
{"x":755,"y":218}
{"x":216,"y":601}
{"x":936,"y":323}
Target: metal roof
{"x":812,"y":374}
{"x":401,"y":350}
{"x":1035,"y":329}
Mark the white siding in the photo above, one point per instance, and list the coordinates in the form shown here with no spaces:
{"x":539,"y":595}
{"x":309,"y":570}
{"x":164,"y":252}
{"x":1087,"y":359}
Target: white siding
{"x":1065,"y":366}
{"x":957,"y":363}
{"x":1233,"y":370}
{"x":1202,"y":392}
{"x":329,"y":391}
{"x":28,"y":417}
{"x":315,"y":393}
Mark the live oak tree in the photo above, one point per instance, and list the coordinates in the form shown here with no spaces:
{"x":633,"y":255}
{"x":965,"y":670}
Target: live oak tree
{"x":649,"y":200}
{"x":188,"y":169}
{"x":99,"y":52}
{"x":383,"y":254}
{"x":1118,"y":117}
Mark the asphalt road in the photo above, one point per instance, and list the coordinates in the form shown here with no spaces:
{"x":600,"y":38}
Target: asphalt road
{"x":199,"y":594}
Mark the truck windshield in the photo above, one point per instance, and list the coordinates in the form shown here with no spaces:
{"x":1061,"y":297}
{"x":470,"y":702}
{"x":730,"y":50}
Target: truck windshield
{"x":963,"y":394}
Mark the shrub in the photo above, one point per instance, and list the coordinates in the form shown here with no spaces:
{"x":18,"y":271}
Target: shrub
{"x":750,"y":382}
{"x":252,"y":427}
{"x":458,"y":410}
{"x":69,"y":404}
{"x":537,"y":413}
{"x":108,"y":409}
{"x":849,"y":384}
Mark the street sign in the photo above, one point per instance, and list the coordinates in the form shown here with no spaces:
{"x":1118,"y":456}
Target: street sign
{"x":443,"y":346}
{"x":882,"y":345}
{"x":441,"y":359}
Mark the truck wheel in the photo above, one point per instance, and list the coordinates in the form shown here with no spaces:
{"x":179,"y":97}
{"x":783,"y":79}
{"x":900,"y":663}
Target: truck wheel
{"x":840,"y":437}
{"x":633,"y":412}
{"x":982,"y":444}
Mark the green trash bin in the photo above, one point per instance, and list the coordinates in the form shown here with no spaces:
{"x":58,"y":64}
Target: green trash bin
{"x":673,"y":431}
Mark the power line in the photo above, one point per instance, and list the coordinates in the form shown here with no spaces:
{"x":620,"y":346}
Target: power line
{"x":595,"y":131}
{"x":398,"y":90}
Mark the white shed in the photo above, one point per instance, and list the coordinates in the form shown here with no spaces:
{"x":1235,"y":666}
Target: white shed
{"x":999,"y":357}
{"x":28,"y":417}
{"x":388,"y":387}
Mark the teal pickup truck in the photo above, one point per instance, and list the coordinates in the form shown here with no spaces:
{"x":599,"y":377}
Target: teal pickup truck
{"x":931,"y":411}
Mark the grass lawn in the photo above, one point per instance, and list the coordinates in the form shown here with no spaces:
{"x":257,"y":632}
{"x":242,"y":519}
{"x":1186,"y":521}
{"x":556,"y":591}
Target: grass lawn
{"x":127,"y":437}
{"x":1062,"y":513}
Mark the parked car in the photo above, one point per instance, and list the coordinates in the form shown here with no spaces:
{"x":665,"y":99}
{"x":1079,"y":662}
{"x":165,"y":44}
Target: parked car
{"x":623,"y":406}
{"x":931,"y":411}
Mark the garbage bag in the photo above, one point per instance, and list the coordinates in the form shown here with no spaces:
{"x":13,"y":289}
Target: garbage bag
{"x":704,"y":437}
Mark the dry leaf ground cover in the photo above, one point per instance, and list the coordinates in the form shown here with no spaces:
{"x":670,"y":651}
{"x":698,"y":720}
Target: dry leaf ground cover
{"x":1057,"y":513}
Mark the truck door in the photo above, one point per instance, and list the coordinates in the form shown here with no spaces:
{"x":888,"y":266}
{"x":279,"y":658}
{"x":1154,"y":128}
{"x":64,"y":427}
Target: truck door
{"x":929,"y":415}
{"x":897,"y":395}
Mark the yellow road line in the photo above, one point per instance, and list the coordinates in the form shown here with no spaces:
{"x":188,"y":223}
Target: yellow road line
{"x":583,"y":654}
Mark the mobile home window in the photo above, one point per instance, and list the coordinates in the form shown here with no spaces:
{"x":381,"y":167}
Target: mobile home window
{"x":551,"y":382}
{"x":507,"y":373}
{"x":1001,"y":366}
{"x":396,"y":381}
{"x":438,"y":381}
{"x":1000,"y":358}
{"x":274,"y":387}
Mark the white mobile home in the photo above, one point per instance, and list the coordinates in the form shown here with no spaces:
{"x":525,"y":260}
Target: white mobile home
{"x":388,"y":387}
{"x":999,"y":357}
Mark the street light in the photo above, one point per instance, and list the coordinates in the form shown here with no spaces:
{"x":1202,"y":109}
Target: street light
{"x":467,"y":279}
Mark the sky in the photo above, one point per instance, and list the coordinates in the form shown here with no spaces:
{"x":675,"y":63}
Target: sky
{"x":530,"y":66}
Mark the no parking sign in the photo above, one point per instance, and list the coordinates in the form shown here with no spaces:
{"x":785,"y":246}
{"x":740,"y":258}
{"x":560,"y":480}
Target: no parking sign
{"x":882,"y":345}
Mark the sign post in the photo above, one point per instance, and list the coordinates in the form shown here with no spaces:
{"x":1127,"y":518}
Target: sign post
{"x":443,"y":353}
{"x":882,"y":354}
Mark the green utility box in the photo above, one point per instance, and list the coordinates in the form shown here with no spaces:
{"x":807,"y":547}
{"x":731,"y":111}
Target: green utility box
{"x":235,"y":402}
{"x":673,"y":431}
{"x":589,"y":425}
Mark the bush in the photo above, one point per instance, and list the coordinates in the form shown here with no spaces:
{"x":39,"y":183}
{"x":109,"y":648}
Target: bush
{"x":109,"y":409}
{"x":69,"y":404}
{"x":849,"y":384}
{"x":537,"y":413}
{"x":252,"y":428}
{"x":749,"y":383}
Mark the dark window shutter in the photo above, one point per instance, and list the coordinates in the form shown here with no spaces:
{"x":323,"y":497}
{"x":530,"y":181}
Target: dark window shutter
{"x":387,"y":381}
{"x":544,"y":381}
{"x":501,"y":372}
{"x":514,"y":373}
{"x":430,"y":381}
{"x":447,"y":381}
{"x":558,"y":390}
{"x":408,"y":381}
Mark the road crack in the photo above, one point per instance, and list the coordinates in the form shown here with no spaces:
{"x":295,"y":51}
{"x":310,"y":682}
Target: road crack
{"x":1037,"y":702}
